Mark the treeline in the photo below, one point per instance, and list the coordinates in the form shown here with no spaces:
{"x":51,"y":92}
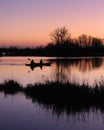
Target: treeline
{"x":75,"y":48}
{"x":62,"y":45}
{"x":84,"y":45}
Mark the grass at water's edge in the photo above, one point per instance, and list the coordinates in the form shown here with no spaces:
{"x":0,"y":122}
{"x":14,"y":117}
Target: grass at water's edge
{"x":57,"y":92}
{"x":59,"y":96}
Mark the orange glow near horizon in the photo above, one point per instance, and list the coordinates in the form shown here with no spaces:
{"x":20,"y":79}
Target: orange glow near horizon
{"x":32,"y":38}
{"x":29,"y":23}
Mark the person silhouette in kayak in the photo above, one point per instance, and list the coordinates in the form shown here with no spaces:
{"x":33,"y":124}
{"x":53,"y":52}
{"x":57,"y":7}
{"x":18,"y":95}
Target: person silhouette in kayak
{"x":32,"y":63}
{"x":41,"y":61}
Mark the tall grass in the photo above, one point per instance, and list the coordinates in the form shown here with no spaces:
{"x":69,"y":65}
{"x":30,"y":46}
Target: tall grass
{"x":59,"y":96}
{"x":66,"y":93}
{"x":10,"y":87}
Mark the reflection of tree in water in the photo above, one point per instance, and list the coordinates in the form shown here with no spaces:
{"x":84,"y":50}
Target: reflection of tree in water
{"x":89,"y":64}
{"x":60,"y":70}
{"x":97,"y":62}
{"x":65,"y":66}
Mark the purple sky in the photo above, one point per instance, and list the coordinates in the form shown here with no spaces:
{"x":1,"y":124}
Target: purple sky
{"x":29,"y":22}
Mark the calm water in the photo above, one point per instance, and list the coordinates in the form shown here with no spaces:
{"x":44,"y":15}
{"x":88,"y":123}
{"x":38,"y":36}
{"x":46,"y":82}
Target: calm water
{"x":78,"y":70}
{"x":18,"y":112}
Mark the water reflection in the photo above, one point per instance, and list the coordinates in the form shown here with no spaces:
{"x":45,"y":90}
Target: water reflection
{"x":66,"y":116}
{"x":88,"y":70}
{"x":59,"y":97}
{"x":35,"y":112}
{"x":83,"y":64}
{"x":79,"y":70}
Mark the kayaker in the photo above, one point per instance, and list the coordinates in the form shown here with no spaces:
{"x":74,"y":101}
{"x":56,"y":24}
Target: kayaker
{"x":41,"y":61}
{"x":32,"y":63}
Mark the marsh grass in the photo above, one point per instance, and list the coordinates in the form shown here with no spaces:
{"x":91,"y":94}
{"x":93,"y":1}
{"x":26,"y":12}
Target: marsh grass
{"x":10,"y":87}
{"x":58,"y":95}
{"x":66,"y":93}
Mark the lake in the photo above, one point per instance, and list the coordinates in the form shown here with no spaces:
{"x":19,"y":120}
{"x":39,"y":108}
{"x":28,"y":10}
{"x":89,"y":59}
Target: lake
{"x":88,"y":70}
{"x":19,"y":112}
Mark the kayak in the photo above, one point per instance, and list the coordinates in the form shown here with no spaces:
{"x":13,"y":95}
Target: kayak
{"x":38,"y":64}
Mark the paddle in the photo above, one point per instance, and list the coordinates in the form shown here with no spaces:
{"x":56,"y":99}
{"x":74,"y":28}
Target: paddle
{"x":29,"y":59}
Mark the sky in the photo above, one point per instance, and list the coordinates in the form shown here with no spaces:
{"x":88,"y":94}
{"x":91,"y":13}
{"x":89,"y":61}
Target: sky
{"x":29,"y":22}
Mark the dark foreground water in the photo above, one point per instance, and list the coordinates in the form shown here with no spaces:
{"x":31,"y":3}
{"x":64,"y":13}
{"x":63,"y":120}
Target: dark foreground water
{"x":18,"y":112}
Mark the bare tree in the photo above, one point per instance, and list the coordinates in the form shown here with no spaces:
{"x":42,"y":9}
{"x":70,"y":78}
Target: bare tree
{"x":83,"y":40}
{"x":60,"y":35}
{"x":97,"y":42}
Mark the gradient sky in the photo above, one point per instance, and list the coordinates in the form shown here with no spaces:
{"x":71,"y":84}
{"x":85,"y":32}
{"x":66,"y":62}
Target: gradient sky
{"x":29,"y":22}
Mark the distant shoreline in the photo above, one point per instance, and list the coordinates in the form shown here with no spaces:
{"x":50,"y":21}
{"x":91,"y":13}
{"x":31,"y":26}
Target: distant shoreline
{"x":84,"y":55}
{"x":54,"y":51}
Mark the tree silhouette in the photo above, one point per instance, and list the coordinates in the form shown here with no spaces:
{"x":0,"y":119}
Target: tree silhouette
{"x":60,"y":35}
{"x":97,"y":42}
{"x":83,"y":40}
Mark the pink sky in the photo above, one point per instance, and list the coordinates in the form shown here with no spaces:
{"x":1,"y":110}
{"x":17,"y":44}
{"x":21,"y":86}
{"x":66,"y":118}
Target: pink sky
{"x":29,"y":22}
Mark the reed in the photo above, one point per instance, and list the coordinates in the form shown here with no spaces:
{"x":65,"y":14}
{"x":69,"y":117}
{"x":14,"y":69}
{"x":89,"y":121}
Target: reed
{"x":58,"y":93}
{"x":67,"y":93}
{"x":10,"y":87}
